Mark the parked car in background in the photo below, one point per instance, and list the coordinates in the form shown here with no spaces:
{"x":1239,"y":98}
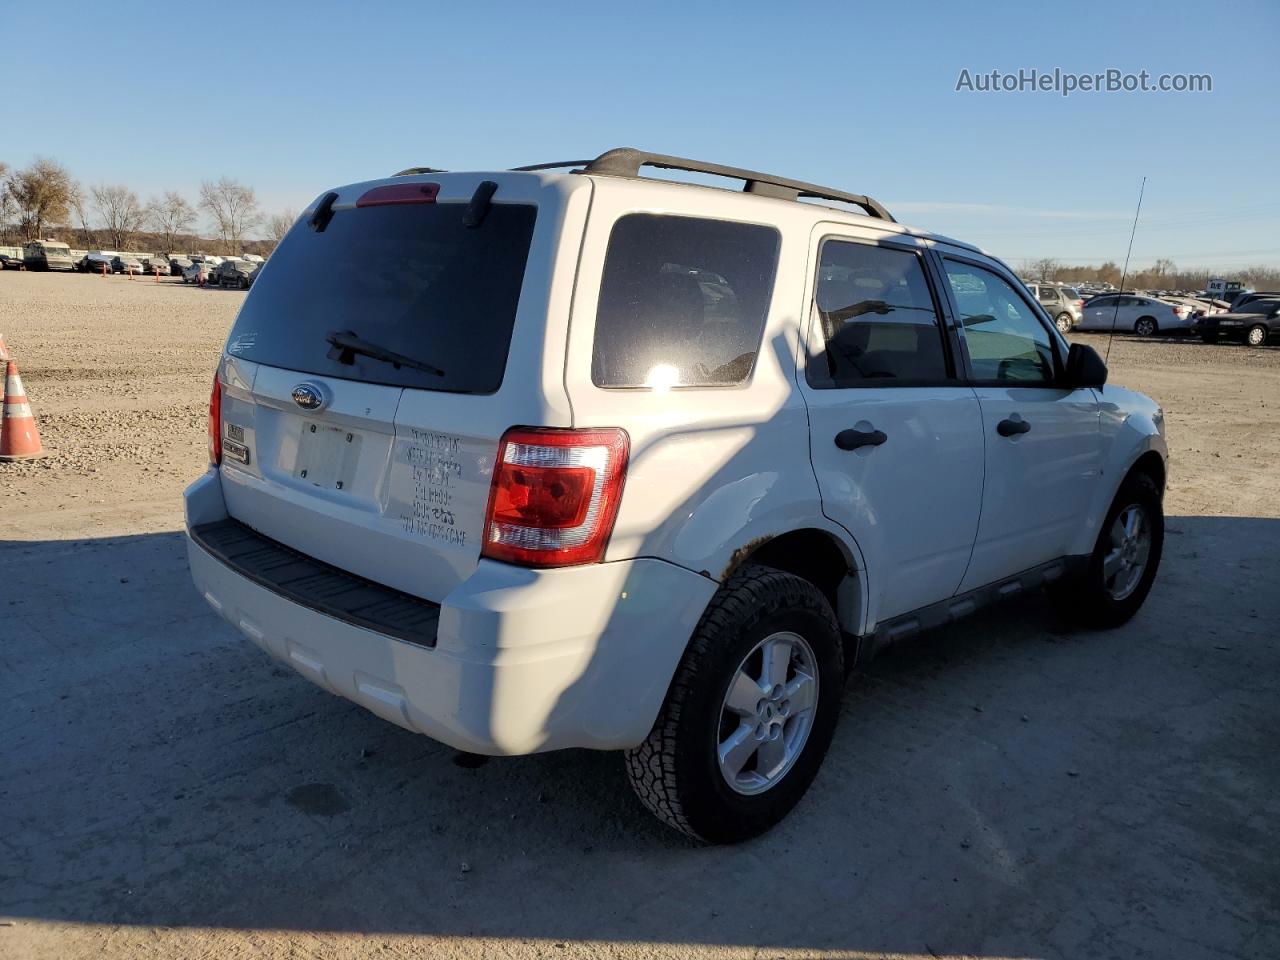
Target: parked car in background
{"x":1255,"y":324}
{"x":234,"y":272}
{"x":251,"y":257}
{"x":93,"y":261}
{"x":1063,"y":304}
{"x":10,"y":263}
{"x":47,"y":255}
{"x":155,"y":264}
{"x":177,"y":265}
{"x":1245,"y":301}
{"x":1145,"y":316}
{"x":198,"y":272}
{"x":123,"y":263}
{"x":664,"y":515}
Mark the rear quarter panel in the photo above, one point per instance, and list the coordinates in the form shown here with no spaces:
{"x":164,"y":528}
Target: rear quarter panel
{"x":713,"y":471}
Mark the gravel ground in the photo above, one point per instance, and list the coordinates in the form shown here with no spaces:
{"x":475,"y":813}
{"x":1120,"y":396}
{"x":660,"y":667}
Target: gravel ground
{"x":1002,"y":788}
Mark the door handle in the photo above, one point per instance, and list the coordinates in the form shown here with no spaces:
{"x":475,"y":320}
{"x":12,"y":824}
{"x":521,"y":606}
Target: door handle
{"x":853,"y":439}
{"x":1009,"y":428}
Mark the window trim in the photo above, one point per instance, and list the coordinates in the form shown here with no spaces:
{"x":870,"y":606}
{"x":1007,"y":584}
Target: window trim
{"x":942,"y":320}
{"x":772,"y":292}
{"x":1056,"y":343}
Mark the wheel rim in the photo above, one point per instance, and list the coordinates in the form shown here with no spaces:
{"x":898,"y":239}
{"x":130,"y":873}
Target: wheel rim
{"x":1145,"y":328}
{"x":1064,"y":325}
{"x":1256,"y":336}
{"x":1128,"y":552}
{"x":767,"y":713}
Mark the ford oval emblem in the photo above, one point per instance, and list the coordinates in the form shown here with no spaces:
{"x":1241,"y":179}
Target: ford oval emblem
{"x":308,"y":396}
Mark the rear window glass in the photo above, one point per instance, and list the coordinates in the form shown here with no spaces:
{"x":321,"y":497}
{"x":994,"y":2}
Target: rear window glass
{"x":410,"y":279}
{"x":682,"y":301}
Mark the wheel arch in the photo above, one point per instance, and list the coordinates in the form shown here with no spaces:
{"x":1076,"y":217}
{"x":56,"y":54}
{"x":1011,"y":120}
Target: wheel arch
{"x":819,"y":556}
{"x":1152,"y":464}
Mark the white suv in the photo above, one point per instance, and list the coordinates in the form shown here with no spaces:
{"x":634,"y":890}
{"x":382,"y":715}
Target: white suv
{"x":538,"y":459}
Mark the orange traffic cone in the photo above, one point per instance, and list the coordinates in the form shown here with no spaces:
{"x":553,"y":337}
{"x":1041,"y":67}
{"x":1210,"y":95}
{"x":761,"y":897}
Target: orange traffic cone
{"x":19,"y":438}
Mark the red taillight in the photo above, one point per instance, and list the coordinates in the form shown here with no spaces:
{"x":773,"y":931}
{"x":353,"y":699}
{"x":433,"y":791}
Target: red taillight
{"x":395,"y":194}
{"x":555,"y":495}
{"x":215,"y":423}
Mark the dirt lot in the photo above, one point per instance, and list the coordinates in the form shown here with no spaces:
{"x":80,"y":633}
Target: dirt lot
{"x":1002,"y":788}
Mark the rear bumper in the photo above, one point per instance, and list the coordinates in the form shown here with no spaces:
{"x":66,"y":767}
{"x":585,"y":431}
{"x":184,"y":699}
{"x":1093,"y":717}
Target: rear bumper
{"x":525,"y":660}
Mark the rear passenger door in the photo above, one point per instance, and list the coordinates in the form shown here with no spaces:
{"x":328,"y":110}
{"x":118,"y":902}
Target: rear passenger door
{"x":1042,"y":439}
{"x":895,"y":434}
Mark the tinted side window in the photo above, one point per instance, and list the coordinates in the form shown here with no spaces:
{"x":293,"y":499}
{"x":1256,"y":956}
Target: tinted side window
{"x":879,"y":321}
{"x":682,"y":301}
{"x":1047,"y":294}
{"x":1004,"y":338}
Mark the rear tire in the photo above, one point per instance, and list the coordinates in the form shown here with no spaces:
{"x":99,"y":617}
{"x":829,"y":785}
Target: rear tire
{"x":761,"y":621}
{"x":1146,"y":327}
{"x":1063,"y":323}
{"x":1257,"y":336}
{"x":1102,"y":596}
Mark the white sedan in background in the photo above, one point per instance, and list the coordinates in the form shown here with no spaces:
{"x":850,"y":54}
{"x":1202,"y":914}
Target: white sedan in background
{"x":1145,"y":316}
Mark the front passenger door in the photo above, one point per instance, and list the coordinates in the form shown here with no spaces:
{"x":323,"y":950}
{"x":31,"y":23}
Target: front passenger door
{"x":1042,"y":440}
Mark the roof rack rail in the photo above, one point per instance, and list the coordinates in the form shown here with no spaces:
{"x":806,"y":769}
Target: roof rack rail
{"x":627,"y":161}
{"x":550,"y":166}
{"x":415,"y":171}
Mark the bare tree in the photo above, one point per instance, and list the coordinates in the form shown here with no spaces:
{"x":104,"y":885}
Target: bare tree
{"x":233,"y":207}
{"x":41,"y":193}
{"x":1045,"y":268}
{"x":171,"y":216}
{"x":121,"y":214}
{"x":278,"y":225}
{"x":8,"y":209}
{"x":1164,"y":268}
{"x":79,"y":206}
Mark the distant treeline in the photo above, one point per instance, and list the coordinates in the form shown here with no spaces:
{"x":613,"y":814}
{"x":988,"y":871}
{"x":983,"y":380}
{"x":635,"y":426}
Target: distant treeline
{"x":1162,"y":275}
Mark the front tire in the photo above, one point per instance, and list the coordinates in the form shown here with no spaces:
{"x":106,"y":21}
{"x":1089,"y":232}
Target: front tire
{"x":750,"y":712}
{"x":1124,"y":561}
{"x":1146,"y":327}
{"x":1063,"y":323}
{"x":1257,"y":336}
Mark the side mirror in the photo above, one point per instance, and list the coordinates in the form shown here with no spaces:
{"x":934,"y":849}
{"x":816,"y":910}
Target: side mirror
{"x":1084,"y":367}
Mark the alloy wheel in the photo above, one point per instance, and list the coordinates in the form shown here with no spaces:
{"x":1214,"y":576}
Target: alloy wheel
{"x":767,"y":713}
{"x":1128,"y":552}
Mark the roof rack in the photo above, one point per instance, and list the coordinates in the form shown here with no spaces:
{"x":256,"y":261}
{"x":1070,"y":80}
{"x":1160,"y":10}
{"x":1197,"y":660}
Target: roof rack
{"x":556,"y":165}
{"x":627,"y":161}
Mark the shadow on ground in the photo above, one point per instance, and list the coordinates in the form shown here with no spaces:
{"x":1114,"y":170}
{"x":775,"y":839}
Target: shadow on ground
{"x":1002,"y":787}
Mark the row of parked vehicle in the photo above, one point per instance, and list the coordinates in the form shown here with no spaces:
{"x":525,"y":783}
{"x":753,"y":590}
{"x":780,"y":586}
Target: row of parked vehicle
{"x":196,"y":268}
{"x":222,"y":271}
{"x":1251,"y":317}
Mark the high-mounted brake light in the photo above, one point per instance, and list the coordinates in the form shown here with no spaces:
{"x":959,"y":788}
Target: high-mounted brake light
{"x":555,"y":495}
{"x":215,"y":423}
{"x":395,"y":194}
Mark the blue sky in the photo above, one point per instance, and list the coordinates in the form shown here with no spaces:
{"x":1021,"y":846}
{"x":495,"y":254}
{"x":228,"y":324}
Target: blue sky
{"x":299,"y":97}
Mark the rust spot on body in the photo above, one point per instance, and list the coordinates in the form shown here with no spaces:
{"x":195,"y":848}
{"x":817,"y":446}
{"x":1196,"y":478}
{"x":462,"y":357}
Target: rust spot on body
{"x":741,"y":555}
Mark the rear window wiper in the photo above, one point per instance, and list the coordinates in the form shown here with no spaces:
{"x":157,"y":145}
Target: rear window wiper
{"x":347,"y":343}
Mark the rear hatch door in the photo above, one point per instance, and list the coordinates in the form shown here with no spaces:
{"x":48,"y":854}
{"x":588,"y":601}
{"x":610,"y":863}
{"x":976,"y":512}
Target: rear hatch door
{"x":371,"y":372}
